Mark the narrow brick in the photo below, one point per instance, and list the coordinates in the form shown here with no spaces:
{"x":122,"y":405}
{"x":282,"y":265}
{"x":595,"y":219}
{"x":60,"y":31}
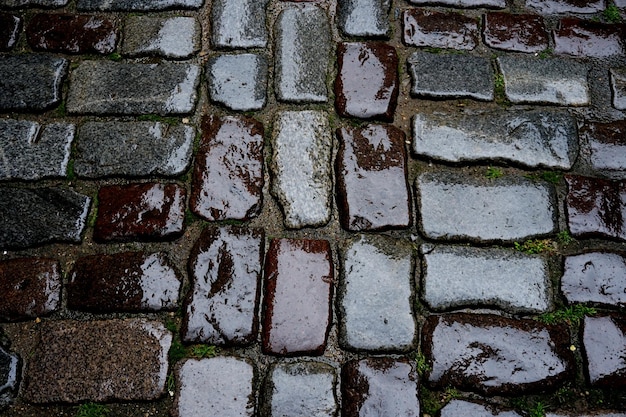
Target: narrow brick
{"x":604,"y":339}
{"x":595,"y":277}
{"x":618,"y":87}
{"x":566,"y":6}
{"x":10,"y":27}
{"x":364,"y":17}
{"x":439,"y":29}
{"x":583,"y":38}
{"x":238,"y":81}
{"x":239,"y":24}
{"x":134,"y":5}
{"x":515,"y":32}
{"x":174,"y":37}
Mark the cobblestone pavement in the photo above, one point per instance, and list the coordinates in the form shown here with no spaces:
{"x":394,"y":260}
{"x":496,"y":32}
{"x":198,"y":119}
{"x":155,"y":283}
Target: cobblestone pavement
{"x":335,"y":207}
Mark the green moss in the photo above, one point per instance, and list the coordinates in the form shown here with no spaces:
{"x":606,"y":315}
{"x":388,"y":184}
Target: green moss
{"x":546,"y":53}
{"x":611,"y":14}
{"x":92,"y":410}
{"x":115,"y":56}
{"x":493,"y":173}
{"x":177,"y":350}
{"x":535,"y":246}
{"x":421,"y":364}
{"x":499,"y":91}
{"x":203,"y":351}
{"x":71,"y":175}
{"x":570,"y":315}
{"x":564,"y":238}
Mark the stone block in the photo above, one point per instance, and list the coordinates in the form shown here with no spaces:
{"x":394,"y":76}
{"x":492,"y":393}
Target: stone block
{"x":618,"y":87}
{"x":608,"y":144}
{"x":595,"y":277}
{"x":14,"y":4}
{"x":604,"y":339}
{"x":133,"y":5}
{"x":439,"y":29}
{"x":364,"y":17}
{"x":238,"y":82}
{"x":175,"y":37}
{"x":565,"y":6}
{"x":239,"y":24}
{"x":460,"y":408}
{"x":10,"y":367}
{"x":496,"y":4}
{"x":583,"y":38}
{"x":10,"y":27}
{"x":515,"y":32}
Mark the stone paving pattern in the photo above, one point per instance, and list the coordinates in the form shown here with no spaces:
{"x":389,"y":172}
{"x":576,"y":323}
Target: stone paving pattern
{"x":313,"y":208}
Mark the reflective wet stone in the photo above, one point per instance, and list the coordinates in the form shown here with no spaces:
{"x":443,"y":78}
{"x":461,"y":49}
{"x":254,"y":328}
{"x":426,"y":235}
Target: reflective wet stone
{"x":495,"y":355}
{"x":298,"y":291}
{"x":36,"y":86}
{"x":379,"y":386}
{"x":146,"y":211}
{"x":497,"y":4}
{"x":608,"y":144}
{"x":36,"y":216}
{"x":10,"y":27}
{"x":367,"y":80}
{"x":596,"y":277}
{"x":136,"y":5}
{"x":225,"y":268}
{"x":579,"y":37}
{"x":604,"y":339}
{"x":238,"y":82}
{"x":439,"y":30}
{"x":10,"y":366}
{"x":618,"y":87}
{"x":566,"y":6}
{"x":228,"y":174}
{"x":451,"y":76}
{"x":70,"y":33}
{"x":461,"y":408}
{"x":32,"y":151}
{"x":372,"y":191}
{"x":239,"y":24}
{"x":515,"y":32}
{"x":596,"y":207}
{"x":364,"y":17}
{"x":173,"y":37}
{"x":30,"y":288}
{"x":123,"y":282}
{"x":77,"y":361}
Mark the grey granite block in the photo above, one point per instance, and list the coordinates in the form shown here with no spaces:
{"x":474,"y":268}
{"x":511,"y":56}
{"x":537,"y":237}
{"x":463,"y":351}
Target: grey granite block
{"x":239,"y":82}
{"x":239,"y":24}
{"x":172,"y":37}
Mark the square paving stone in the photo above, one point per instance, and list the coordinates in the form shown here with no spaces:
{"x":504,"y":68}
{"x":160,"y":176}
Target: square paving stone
{"x":298,"y":291}
{"x":595,"y":277}
{"x":239,"y":23}
{"x":239,"y":82}
{"x":618,"y":87}
{"x":515,"y":32}
{"x":423,"y":27}
{"x":583,"y":38}
{"x":604,"y":339}
{"x":10,"y":27}
{"x":608,"y":144}
{"x":173,"y":37}
{"x":367,"y":18}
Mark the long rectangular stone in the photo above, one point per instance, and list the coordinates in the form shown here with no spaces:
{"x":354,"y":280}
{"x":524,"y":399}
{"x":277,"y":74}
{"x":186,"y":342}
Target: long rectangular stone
{"x":172,"y":37}
{"x":33,"y":3}
{"x":583,"y":38}
{"x":439,"y":29}
{"x":497,"y":4}
{"x":136,"y":5}
{"x":565,"y":6}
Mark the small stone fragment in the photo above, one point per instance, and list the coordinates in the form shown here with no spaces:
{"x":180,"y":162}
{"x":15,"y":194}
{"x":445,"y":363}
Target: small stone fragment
{"x":618,"y":87}
{"x":595,"y":277}
{"x":367,"y":18}
{"x":604,"y":339}
{"x":10,"y":365}
{"x":174,"y":37}
{"x":439,"y":30}
{"x":584,"y":38}
{"x":10,"y":27}
{"x":515,"y":32}
{"x":239,"y":23}
{"x":608,"y":144}
{"x":496,"y":4}
{"x":566,"y":6}
{"x":460,"y":408}
{"x":134,"y":5}
{"x":239,"y":82}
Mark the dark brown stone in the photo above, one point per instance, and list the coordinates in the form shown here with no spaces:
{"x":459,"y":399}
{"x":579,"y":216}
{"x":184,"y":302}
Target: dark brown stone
{"x":74,"y":34}
{"x":125,"y":282}
{"x":30,"y":287}
{"x":298,"y":290}
{"x":515,"y":32}
{"x":372,"y":191}
{"x":228,"y":174}
{"x":140,"y":212}
{"x":367,"y":80}
{"x":439,"y":30}
{"x":579,"y":37}
{"x":10,"y":27}
{"x":608,"y":144}
{"x":604,"y":339}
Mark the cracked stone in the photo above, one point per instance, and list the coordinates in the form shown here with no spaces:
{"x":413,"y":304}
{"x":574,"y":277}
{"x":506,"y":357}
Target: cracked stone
{"x":604,"y":339}
{"x":515,"y":32}
{"x":595,"y":277}
{"x":239,"y":81}
{"x":439,"y":30}
{"x":174,"y":37}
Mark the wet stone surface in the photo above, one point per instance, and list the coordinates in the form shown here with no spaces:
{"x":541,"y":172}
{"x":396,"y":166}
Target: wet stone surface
{"x":135,"y":5}
{"x":30,"y":288}
{"x":496,"y":355}
{"x":457,"y":207}
{"x":608,"y":144}
{"x":98,"y":361}
{"x":604,"y":339}
{"x":31,"y":151}
{"x":578,"y":37}
{"x":379,"y":386}
{"x":228,"y":174}
{"x":225,"y":267}
{"x":439,"y":30}
{"x":33,"y":3}
{"x":124,"y":282}
{"x":596,"y":207}
{"x":499,"y":4}
{"x":519,"y":32}
{"x":298,"y":291}
{"x":618,"y":87}
{"x":367,"y":18}
{"x":531,"y":138}
{"x":459,"y":276}
{"x":174,"y":37}
{"x":73,"y":34}
{"x":460,"y":408}
{"x":10,"y":27}
{"x":238,"y":82}
{"x":372,"y":191}
{"x":239,"y":24}
{"x":376,"y":296}
{"x":566,"y":6}
{"x":451,"y":76}
{"x":133,"y":149}
{"x":595,"y":277}
{"x":146,"y":211}
{"x":30,"y":217}
{"x":10,"y":365}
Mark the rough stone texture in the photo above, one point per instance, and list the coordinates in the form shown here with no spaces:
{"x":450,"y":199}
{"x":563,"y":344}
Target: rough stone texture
{"x":298,"y":291}
{"x":451,"y":76}
{"x":10,"y":27}
{"x":10,"y":365}
{"x":133,"y":149}
{"x":225,"y":268}
{"x":496,"y":355}
{"x":531,"y":138}
{"x":439,"y":30}
{"x":238,"y":82}
{"x":165,"y":88}
{"x":31,"y":151}
{"x":78,"y":361}
{"x":379,"y":387}
{"x":460,"y":408}
{"x":578,"y":37}
{"x":33,"y":3}
{"x":496,"y":4}
{"x":372,"y":191}
{"x":604,"y":339}
{"x":460,"y":276}
{"x":71,"y":34}
{"x":30,"y":288}
{"x":301,"y":167}
{"x":457,"y":207}
{"x":36,"y":216}
{"x":367,"y":80}
{"x":36,"y":86}
{"x":219,"y":386}
{"x":367,"y":18}
{"x":140,"y":212}
{"x":302,"y":38}
{"x":596,"y":207}
{"x":172,"y":37}
{"x":301,"y":389}
{"x":595,"y":277}
{"x":618,"y":87}
{"x":134,"y":5}
{"x":124,"y":282}
{"x":608,"y":144}
{"x":515,"y":32}
{"x":549,"y":81}
{"x":376,"y":296}
{"x":565,"y":6}
{"x":239,"y":24}
{"x":595,"y":414}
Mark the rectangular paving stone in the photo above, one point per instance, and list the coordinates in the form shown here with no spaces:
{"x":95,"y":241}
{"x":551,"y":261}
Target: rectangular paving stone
{"x":565,"y":6}
{"x":595,"y":277}
{"x":239,"y":81}
{"x":239,"y":24}
{"x":544,"y":81}
{"x":496,"y":4}
{"x":439,"y":29}
{"x":228,"y":174}
{"x":10,"y":28}
{"x":77,"y":361}
{"x":577,"y":37}
{"x":171,"y":37}
{"x":297,"y":295}
{"x":515,"y":32}
{"x":137,"y":5}
{"x":132,"y":149}
{"x":10,"y":370}
{"x":368,"y":18}
{"x":376,"y":296}
{"x":608,"y":144}
{"x":107,"y":87}
{"x":225,"y":268}
{"x":37,"y":84}
{"x":459,"y":207}
{"x":459,"y":408}
{"x":30,"y":288}
{"x":35,"y":216}
{"x":31,"y":151}
{"x":604,"y":339}
{"x":33,"y":3}
{"x":460,"y":276}
{"x":618,"y":87}
{"x":531,"y":138}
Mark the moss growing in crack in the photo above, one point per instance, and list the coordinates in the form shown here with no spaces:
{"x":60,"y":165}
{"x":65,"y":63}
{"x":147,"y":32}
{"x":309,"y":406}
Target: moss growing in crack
{"x":611,"y":14}
{"x":493,"y":173}
{"x":535,"y":246}
{"x":92,"y":410}
{"x":421,"y":364}
{"x":499,"y":91}
{"x":571,"y":315}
